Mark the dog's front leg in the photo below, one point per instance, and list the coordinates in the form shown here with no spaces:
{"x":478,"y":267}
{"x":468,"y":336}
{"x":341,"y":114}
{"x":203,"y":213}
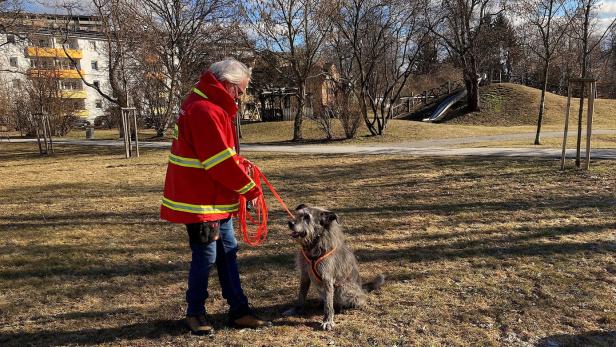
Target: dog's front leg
{"x":304,"y":285}
{"x":328,"y":320}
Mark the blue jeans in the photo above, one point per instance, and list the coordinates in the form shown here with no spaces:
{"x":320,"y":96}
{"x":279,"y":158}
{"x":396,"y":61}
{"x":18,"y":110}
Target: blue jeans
{"x":222,"y":253}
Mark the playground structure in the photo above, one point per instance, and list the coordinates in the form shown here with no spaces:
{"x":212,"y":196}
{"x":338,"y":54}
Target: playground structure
{"x":591,"y":102}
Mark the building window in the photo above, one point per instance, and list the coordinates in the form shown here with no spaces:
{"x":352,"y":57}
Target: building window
{"x":93,"y":44}
{"x":43,"y":43}
{"x":97,"y":84}
{"x":99,"y":103}
{"x":13,"y":61}
{"x":94,"y":65}
{"x":10,"y":38}
{"x":17,"y":84}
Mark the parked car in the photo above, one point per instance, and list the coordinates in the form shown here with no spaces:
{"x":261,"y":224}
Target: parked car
{"x":81,"y":124}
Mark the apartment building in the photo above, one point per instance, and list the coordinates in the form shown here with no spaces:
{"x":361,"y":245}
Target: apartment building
{"x":36,"y":51}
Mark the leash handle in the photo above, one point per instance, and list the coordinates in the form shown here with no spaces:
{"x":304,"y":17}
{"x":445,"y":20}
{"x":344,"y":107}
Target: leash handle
{"x":261,"y":213}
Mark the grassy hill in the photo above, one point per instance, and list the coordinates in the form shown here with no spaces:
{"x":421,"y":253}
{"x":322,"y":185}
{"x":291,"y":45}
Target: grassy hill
{"x":509,"y":104}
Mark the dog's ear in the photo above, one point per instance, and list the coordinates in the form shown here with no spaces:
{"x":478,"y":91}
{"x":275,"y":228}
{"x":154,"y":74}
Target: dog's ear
{"x":300,"y":207}
{"x":327,"y":218}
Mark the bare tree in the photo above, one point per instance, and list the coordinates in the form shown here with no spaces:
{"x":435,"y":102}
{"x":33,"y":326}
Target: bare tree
{"x":10,"y":12}
{"x":294,"y":31}
{"x":542,"y":15}
{"x":181,"y":36}
{"x":459,"y":24}
{"x":384,"y":38}
{"x":588,"y":32}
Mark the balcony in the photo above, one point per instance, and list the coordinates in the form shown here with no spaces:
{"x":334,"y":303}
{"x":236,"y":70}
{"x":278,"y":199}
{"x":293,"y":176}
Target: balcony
{"x":73,"y":94}
{"x":59,"y":73}
{"x":81,"y":113}
{"x":46,"y":52}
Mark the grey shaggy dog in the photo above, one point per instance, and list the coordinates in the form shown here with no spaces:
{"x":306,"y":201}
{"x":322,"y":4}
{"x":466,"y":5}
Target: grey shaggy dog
{"x":328,"y":263}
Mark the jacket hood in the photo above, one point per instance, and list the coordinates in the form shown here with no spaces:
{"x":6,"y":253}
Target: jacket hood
{"x":215,"y":91}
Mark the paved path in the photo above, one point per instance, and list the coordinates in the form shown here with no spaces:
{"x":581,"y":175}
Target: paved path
{"x":416,"y":149}
{"x":494,"y":138}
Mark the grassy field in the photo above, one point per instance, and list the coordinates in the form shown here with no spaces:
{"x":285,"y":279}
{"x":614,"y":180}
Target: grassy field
{"x":476,"y":251}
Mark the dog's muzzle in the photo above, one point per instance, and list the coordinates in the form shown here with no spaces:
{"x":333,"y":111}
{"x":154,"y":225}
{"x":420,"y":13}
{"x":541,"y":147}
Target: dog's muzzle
{"x":295,"y":234}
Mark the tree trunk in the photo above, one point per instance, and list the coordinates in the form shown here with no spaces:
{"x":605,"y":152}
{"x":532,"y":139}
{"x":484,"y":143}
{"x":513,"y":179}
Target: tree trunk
{"x":472,"y":94}
{"x":297,"y":125}
{"x":584,"y":74}
{"x":364,"y":111}
{"x":546,"y":68}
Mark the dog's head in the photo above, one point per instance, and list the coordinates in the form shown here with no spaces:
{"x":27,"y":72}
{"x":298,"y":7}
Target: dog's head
{"x":311,"y":223}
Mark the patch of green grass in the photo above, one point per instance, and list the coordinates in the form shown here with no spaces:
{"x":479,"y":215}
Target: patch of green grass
{"x":477,"y":251}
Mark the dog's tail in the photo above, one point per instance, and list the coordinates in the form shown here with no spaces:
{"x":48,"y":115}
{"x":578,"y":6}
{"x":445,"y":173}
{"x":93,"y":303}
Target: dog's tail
{"x":375,"y":284}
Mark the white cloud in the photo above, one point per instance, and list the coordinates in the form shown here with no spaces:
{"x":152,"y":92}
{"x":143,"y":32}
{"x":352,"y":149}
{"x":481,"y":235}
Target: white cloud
{"x":608,"y":9}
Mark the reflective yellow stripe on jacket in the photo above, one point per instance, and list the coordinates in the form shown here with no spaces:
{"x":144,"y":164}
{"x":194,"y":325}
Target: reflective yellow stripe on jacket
{"x":186,"y":162}
{"x":199,"y":209}
{"x":200,"y":93}
{"x":207,"y":164}
{"x":246,"y":188}
{"x":218,"y":158}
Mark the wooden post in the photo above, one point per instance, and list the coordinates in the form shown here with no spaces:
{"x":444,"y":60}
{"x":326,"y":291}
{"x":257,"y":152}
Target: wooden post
{"x":42,"y":123}
{"x":425,"y":96}
{"x":413,"y":99}
{"x":136,"y":133}
{"x":126,"y":134}
{"x":448,"y":87}
{"x":591,"y":104}
{"x":38,"y":133}
{"x":562,"y":159}
{"x":49,"y":132}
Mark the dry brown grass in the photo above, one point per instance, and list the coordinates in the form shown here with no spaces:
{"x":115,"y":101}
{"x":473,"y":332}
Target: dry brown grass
{"x":598,"y":141}
{"x":477,"y":251}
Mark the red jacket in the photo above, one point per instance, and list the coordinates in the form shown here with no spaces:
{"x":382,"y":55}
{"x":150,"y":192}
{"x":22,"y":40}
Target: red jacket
{"x":204,"y":177}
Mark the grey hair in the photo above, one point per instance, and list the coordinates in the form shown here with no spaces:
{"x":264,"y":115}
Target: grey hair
{"x":231,"y":70}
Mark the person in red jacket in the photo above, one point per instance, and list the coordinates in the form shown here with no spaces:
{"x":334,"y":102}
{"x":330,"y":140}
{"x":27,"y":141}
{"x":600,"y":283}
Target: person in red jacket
{"x":202,"y":187}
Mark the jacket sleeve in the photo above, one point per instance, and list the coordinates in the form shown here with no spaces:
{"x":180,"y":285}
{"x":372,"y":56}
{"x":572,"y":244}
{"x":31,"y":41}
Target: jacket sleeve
{"x":219,"y":159}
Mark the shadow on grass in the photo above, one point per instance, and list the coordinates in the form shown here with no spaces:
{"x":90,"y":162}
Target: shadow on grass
{"x":592,"y":338}
{"x":153,"y":329}
{"x":38,"y":270}
{"x":150,"y":329}
{"x":81,"y":219}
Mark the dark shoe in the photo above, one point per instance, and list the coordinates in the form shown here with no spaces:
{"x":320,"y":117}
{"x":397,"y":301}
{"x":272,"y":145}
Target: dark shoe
{"x":249,"y":321}
{"x":199,"y":325}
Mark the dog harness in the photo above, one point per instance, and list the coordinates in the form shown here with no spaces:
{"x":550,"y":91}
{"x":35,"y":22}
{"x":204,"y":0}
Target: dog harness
{"x":315,"y":262}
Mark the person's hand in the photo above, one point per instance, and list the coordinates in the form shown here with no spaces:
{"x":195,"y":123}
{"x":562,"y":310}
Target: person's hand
{"x":252,"y":198}
{"x":253,"y":194}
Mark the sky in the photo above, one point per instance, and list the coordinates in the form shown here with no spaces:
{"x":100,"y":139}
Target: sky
{"x":55,"y":6}
{"x":606,"y":14}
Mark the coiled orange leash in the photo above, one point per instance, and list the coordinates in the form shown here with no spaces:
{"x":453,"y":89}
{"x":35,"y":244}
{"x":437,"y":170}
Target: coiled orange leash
{"x":258,"y":236}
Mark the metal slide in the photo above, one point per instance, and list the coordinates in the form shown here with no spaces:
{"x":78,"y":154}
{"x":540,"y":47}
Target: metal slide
{"x":440,"y":111}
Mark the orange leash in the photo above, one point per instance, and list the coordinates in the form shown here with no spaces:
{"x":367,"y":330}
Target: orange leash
{"x":258,"y":236}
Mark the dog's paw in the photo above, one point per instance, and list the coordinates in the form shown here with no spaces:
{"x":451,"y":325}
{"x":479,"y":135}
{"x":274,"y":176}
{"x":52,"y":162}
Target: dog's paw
{"x":293,"y":311}
{"x":328,"y":325}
